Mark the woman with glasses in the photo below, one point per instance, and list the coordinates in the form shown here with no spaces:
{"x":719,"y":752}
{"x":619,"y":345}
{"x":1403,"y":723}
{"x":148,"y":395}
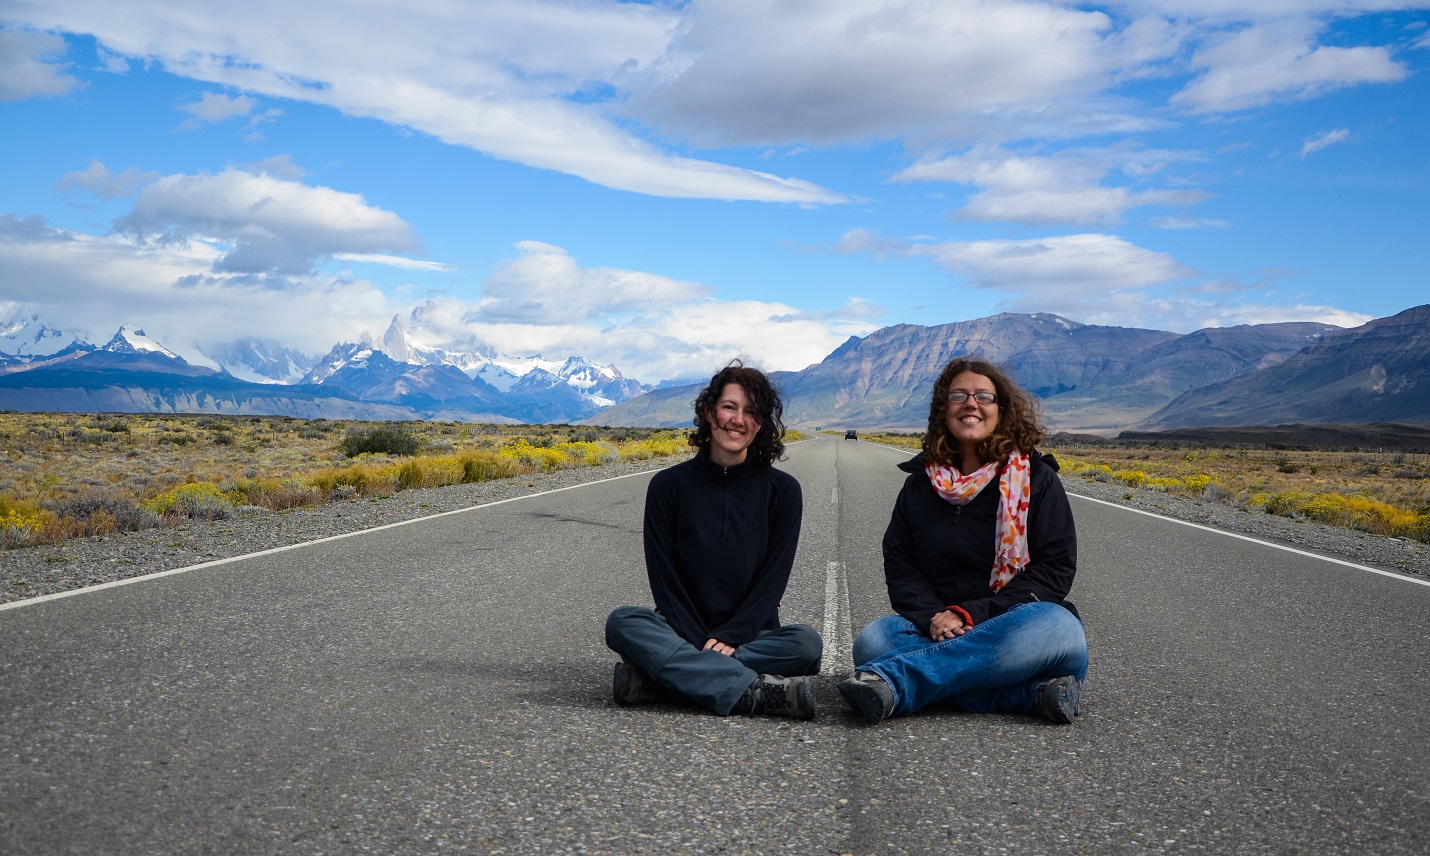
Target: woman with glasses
{"x":979,"y":556}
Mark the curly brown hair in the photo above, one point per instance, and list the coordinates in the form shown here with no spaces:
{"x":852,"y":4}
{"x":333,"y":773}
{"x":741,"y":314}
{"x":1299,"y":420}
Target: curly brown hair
{"x":1018,"y":423}
{"x":768,"y":445}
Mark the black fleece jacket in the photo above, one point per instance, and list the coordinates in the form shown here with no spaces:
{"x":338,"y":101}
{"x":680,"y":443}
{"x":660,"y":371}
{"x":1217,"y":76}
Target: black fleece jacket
{"x":719,"y":546}
{"x":938,"y":555}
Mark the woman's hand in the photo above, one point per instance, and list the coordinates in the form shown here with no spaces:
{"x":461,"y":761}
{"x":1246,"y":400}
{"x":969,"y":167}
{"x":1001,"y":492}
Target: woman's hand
{"x":946,"y":625}
{"x":716,"y":644}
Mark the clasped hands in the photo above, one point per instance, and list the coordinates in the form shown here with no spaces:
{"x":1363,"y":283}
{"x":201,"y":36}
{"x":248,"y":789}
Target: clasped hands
{"x":727,"y":650}
{"x":946,"y":625}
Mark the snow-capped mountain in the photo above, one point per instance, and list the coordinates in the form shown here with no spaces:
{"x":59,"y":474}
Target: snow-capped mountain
{"x":410,"y":342}
{"x":260,"y":360}
{"x":603,"y":385}
{"x":410,"y":369}
{"x":27,"y":339}
{"x":131,"y":340}
{"x":355,"y":354}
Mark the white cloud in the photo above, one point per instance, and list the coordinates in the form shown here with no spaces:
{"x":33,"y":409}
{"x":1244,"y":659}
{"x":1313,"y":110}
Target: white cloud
{"x":93,"y":284}
{"x":278,"y":166}
{"x":1182,"y":223}
{"x":1040,"y":191}
{"x":753,"y":72}
{"x":97,"y":179}
{"x":1182,"y":314}
{"x":516,"y":83}
{"x":392,"y":261}
{"x":27,"y":67}
{"x":1326,"y":138}
{"x":272,"y":225}
{"x":1103,"y":279}
{"x":1044,"y":270}
{"x":1233,"y":11}
{"x":544,"y":284}
{"x":215,"y":107}
{"x":1254,"y":66}
{"x":585,"y":88}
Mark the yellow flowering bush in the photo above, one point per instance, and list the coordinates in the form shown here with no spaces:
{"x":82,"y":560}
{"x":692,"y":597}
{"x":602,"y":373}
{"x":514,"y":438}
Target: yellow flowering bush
{"x":199,"y":500}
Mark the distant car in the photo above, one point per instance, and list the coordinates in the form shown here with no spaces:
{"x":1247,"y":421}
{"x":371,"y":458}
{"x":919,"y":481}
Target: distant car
{"x":851,"y":434}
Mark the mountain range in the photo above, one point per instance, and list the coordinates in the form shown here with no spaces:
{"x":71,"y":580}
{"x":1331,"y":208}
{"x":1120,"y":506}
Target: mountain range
{"x":1090,"y":378}
{"x":1102,"y":379}
{"x":398,"y":377}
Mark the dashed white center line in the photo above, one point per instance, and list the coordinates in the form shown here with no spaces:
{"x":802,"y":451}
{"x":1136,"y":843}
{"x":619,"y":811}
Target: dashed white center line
{"x":838,"y":639}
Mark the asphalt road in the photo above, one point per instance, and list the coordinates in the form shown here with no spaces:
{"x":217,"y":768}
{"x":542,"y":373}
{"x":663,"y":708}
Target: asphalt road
{"x":443,"y":686}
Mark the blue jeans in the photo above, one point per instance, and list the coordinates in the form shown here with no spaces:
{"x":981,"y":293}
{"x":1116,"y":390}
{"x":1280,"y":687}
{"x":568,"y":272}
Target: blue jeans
{"x":710,"y":679}
{"x":994,"y":668}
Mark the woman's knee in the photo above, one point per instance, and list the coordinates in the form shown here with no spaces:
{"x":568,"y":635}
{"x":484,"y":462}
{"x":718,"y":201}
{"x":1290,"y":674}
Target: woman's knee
{"x":879,"y":637}
{"x":808,"y":644}
{"x":620,"y":618}
{"x":1063,"y":634}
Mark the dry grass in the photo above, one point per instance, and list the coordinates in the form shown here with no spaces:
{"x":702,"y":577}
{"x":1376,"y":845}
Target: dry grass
{"x":1385,"y":493}
{"x":65,"y":475}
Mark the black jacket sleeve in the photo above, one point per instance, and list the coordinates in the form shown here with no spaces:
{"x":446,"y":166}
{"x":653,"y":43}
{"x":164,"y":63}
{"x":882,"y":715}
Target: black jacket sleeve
{"x":662,"y":508}
{"x":911,"y":593}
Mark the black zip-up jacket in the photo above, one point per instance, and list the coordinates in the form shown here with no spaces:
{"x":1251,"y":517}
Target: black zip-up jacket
{"x":719,"y":546}
{"x":939,"y":555}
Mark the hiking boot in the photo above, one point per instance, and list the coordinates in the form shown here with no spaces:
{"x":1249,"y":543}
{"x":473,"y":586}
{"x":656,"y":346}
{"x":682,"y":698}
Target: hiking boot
{"x":772,"y":695}
{"x":1059,"y":699}
{"x":868,"y":694}
{"x":629,"y":686}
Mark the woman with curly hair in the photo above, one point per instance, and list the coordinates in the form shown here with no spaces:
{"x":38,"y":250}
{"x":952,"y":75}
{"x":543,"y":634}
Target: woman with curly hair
{"x":720,"y":536}
{"x":979,"y":556}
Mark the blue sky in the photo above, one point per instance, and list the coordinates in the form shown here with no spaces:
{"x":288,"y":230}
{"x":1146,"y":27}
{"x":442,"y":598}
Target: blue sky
{"x":666,"y":186}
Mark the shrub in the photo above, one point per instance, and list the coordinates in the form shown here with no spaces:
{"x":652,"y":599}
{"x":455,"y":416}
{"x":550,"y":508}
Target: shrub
{"x":20,"y":522}
{"x":1196,"y":483}
{"x":480,"y":466}
{"x":275,"y":494}
{"x":1214,"y":492}
{"x":542,"y":459}
{"x":102,"y":515}
{"x":384,"y":439}
{"x":429,"y":472}
{"x":660,"y":445}
{"x":364,"y":478}
{"x":1132,"y":478}
{"x":588,"y":454}
{"x":198,"y":501}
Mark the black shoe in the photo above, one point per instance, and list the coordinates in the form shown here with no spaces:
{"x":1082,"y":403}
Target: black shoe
{"x":1059,"y":699}
{"x":772,"y":695}
{"x":629,"y":686}
{"x":869,"y":694}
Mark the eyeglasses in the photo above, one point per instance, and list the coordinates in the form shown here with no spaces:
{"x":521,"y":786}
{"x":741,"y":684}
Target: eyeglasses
{"x":980,"y":397}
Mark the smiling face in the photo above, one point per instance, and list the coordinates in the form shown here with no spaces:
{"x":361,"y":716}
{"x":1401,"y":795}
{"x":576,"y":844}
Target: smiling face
{"x":734,"y":423}
{"x":970,"y":423}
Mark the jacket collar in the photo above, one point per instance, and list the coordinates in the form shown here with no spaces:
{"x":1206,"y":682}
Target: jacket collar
{"x":710,"y":469}
{"x":1037,"y":459}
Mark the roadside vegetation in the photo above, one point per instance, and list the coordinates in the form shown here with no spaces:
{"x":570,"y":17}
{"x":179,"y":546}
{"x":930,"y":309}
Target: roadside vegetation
{"x":67,"y":475}
{"x":1381,"y":492}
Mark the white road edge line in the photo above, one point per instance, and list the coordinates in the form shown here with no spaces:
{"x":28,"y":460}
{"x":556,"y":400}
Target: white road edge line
{"x":157,"y":574}
{"x":1390,"y":574}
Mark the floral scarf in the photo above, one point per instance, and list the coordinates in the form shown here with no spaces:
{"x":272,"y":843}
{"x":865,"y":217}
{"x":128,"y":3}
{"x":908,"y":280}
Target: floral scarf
{"x":1011,"y":532}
